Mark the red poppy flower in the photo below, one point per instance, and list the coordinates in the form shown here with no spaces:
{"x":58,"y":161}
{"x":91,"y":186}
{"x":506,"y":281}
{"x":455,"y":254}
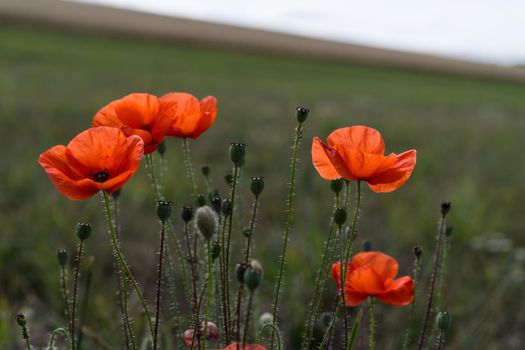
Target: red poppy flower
{"x":372,"y":274}
{"x":357,"y":153}
{"x":233,"y":346}
{"x":101,"y":158}
{"x":191,"y":117}
{"x":138,"y":114}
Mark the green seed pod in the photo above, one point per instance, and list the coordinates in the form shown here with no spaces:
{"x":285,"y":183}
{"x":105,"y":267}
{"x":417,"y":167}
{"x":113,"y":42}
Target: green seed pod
{"x":237,"y":152}
{"x":228,"y":177}
{"x":164,"y":210}
{"x":201,"y":200}
{"x":253,"y":275}
{"x":302,"y":114}
{"x":83,"y":231}
{"x":340,"y":216}
{"x":205,"y":169}
{"x":418,"y":251}
{"x":443,"y":321}
{"x":227,"y":206}
{"x":62,"y":257}
{"x":445,"y":208}
{"x":207,"y":221}
{"x":265,"y":318}
{"x":161,"y":148}
{"x":337,"y":185}
{"x":21,"y":320}
{"x":215,"y":250}
{"x":216,"y":204}
{"x":187,"y":214}
{"x":257,"y":185}
{"x":240,"y":270}
{"x":448,"y":231}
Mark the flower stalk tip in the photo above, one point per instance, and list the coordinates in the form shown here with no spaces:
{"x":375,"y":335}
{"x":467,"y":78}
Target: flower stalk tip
{"x":302,"y":114}
{"x":83,"y":231}
{"x":164,"y":210}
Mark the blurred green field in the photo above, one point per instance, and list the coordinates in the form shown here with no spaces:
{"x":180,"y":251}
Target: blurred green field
{"x":468,"y":133}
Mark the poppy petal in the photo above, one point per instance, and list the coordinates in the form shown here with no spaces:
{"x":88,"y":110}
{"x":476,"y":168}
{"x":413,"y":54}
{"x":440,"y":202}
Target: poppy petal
{"x":360,"y":138}
{"x":385,"y":266}
{"x":399,"y":293}
{"x":395,"y":175}
{"x":208,"y":107}
{"x":337,"y":161}
{"x":184,"y":111}
{"x":364,"y":280}
{"x":354,"y":298}
{"x":361,"y":165}
{"x":234,"y":346}
{"x":322,"y":162}
{"x":138,"y":111}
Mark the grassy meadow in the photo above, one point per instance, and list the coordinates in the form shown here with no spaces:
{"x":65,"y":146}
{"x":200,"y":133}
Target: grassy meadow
{"x":468,"y":133}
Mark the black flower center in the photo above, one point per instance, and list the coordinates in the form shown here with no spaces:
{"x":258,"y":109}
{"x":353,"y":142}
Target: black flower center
{"x":101,"y":176}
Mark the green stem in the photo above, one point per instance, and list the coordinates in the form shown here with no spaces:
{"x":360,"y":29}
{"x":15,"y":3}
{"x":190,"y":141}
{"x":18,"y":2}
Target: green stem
{"x":353,"y":232}
{"x":411,"y":317}
{"x":372,"y":318}
{"x":275,"y":331}
{"x":196,"y":327}
{"x":84,"y":305}
{"x":208,"y":299}
{"x":247,"y":318}
{"x":222,"y":269}
{"x":25,"y":335}
{"x":189,"y":166}
{"x":355,"y":329}
{"x":159,"y":282}
{"x":342,"y":280}
{"x":123,"y":265}
{"x":75,"y":291}
{"x":331,"y":325}
{"x":153,"y":177}
{"x":288,"y":225}
{"x":63,"y":278}
{"x":252,"y":225}
{"x":51,"y":345}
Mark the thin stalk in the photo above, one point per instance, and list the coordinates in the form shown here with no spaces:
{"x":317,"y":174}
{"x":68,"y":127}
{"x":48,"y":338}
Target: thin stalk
{"x":353,"y":232}
{"x":411,"y":318}
{"x":153,"y":177}
{"x":330,"y":327}
{"x":288,"y":225}
{"x":252,"y":225}
{"x":275,"y":331}
{"x":355,"y":329}
{"x":199,"y":304}
{"x":247,"y":318}
{"x":372,"y":319}
{"x":174,"y":305}
{"x":83,"y":310}
{"x":222,"y":270}
{"x":208,"y":299}
{"x":433,"y":279}
{"x":240,"y":292}
{"x":159,"y":283}
{"x":342,"y":283}
{"x":123,"y":265}
{"x":443,"y":271}
{"x":51,"y":345}
{"x":78,"y":258}
{"x":189,"y":166}
{"x":193,"y":260}
{"x":440,"y":341}
{"x":25,"y":335}
{"x":63,"y":282}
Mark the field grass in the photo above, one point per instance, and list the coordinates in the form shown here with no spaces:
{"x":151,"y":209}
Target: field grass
{"x":468,"y":133}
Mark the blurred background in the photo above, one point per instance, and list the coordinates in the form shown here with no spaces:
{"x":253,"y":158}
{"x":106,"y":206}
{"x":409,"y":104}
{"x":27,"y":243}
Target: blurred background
{"x":439,"y":76}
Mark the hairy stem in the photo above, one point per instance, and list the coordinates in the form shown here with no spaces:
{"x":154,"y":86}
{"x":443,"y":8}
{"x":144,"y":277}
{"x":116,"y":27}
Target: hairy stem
{"x":159,"y":283}
{"x":330,"y":327}
{"x":189,"y":166}
{"x":275,"y":331}
{"x":51,"y":345}
{"x":193,"y":261}
{"x":63,"y":282}
{"x":411,"y":317}
{"x":247,"y":318}
{"x":342,"y":280}
{"x":75,"y":291}
{"x":209,"y":288}
{"x":372,"y":319}
{"x":252,"y":225}
{"x":355,"y":329}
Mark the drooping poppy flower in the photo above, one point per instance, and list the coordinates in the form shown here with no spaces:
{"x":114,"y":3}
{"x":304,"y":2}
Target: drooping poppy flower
{"x":372,"y":274}
{"x":139,"y":114}
{"x":101,"y":158}
{"x":191,"y":117}
{"x":357,"y":153}
{"x":233,"y":346}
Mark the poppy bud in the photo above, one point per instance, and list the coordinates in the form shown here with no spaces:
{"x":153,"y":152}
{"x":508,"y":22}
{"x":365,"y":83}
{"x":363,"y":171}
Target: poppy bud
{"x":201,"y":200}
{"x":265,"y":318}
{"x":228,"y":177}
{"x":215,"y":250}
{"x":237,"y":152}
{"x":340,"y":216}
{"x":187,"y":214}
{"x":216,"y":204}
{"x":147,"y":343}
{"x":161,"y":148}
{"x":445,"y":208}
{"x":83,"y":230}
{"x":246,"y":232}
{"x":302,"y":114}
{"x":257,"y":185}
{"x":367,"y":246}
{"x":21,"y":320}
{"x":117,"y":193}
{"x":253,"y":275}
{"x":336,"y":185}
{"x":205,"y":169}
{"x":206,"y":221}
{"x":164,"y":210}
{"x":212,"y":332}
{"x":240,"y":270}
{"x":227,"y":206}
{"x":448,"y":231}
{"x":62,"y":257}
{"x":443,"y":320}
{"x":326,"y":317}
{"x":418,"y":251}
{"x":188,"y":338}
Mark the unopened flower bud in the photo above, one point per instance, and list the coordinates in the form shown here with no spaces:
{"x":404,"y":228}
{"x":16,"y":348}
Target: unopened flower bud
{"x":367,"y":246}
{"x":337,"y":185}
{"x":117,"y":193}
{"x":83,"y":231}
{"x":21,"y":320}
{"x":227,"y":206}
{"x":62,"y":257}
{"x":215,"y":250}
{"x":212,"y":332}
{"x":253,"y":275}
{"x":265,"y":318}
{"x":206,"y":221}
{"x":418,"y":251}
{"x":448,"y":231}
{"x":187,"y":214}
{"x":340,"y":216}
{"x":205,"y":169}
{"x":443,"y":320}
{"x":216,"y":204}
{"x":201,"y":200}
{"x":445,"y":208}
{"x":161,"y":148}
{"x":164,"y":210}
{"x":302,"y":114}
{"x":257,"y":185}
{"x":326,"y":317}
{"x":240,"y":270}
{"x":228,"y":177}
{"x":237,"y":152}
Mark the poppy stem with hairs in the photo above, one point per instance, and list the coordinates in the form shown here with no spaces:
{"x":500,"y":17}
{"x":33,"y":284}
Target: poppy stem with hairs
{"x":372,"y":318}
{"x":252,"y":225}
{"x":189,"y":166}
{"x":209,"y":288}
{"x":289,"y":222}
{"x":63,"y":278}
{"x":123,"y":265}
{"x":78,"y":258}
{"x":410,"y":326}
{"x":275,"y":331}
{"x":159,"y":282}
{"x":342,"y":283}
{"x":247,"y":318}
{"x":330,"y":327}
{"x":355,"y":329}
{"x":222,"y":269}
{"x":353,"y":232}
{"x":54,"y":334}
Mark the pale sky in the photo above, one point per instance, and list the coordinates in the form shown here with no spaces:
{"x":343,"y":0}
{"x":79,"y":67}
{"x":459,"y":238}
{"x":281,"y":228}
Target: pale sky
{"x":491,"y":31}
